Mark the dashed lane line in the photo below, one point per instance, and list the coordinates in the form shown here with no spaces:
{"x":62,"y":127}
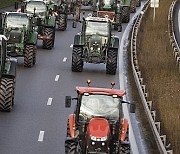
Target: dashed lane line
{"x":71,"y":45}
{"x":49,"y":102}
{"x":64,"y":59}
{"x":57,"y":78}
{"x":41,"y":136}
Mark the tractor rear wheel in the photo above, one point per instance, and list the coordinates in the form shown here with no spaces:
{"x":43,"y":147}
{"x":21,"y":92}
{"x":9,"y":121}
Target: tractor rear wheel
{"x":77,"y":12}
{"x":118,"y":21}
{"x":125,"y":148}
{"x":62,"y":22}
{"x":111,"y":64}
{"x":125,"y":14}
{"x":34,"y":54}
{"x":6,"y":94}
{"x":133,"y":6}
{"x":50,"y":33}
{"x":77,"y":62}
{"x":29,"y":55}
{"x":138,"y":3}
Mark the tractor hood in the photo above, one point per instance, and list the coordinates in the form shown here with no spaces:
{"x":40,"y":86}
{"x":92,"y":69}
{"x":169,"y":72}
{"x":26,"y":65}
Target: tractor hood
{"x":98,"y":128}
{"x":14,"y":36}
{"x":95,"y":39}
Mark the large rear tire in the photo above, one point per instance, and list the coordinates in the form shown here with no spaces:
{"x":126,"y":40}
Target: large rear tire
{"x":118,"y":21}
{"x":77,"y":62}
{"x":62,"y":22}
{"x":77,"y":12}
{"x":126,"y":148}
{"x":50,"y":33}
{"x":125,"y":14}
{"x":29,"y":55}
{"x":133,"y":6}
{"x":111,"y":64}
{"x":138,"y":3}
{"x":6,"y":94}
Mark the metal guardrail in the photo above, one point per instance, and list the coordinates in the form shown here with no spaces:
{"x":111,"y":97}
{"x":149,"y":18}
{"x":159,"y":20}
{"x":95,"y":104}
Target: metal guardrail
{"x":151,"y":114}
{"x":173,"y":42}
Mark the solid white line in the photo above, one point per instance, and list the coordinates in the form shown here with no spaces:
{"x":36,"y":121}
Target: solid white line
{"x":41,"y":136}
{"x":56,"y":78}
{"x":71,"y":45}
{"x":179,"y":20}
{"x":49,"y":102}
{"x":64,"y":59}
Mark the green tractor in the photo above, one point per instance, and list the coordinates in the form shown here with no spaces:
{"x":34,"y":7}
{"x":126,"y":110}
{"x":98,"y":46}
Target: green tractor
{"x":128,"y":6}
{"x":45,"y":19}
{"x":110,"y":8}
{"x":22,"y":38}
{"x":95,"y":44}
{"x":7,"y":77}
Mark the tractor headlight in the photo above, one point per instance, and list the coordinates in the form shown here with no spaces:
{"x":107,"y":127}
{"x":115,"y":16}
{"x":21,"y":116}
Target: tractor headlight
{"x":93,"y":138}
{"x":99,"y":49}
{"x":104,"y":138}
{"x":92,"y":48}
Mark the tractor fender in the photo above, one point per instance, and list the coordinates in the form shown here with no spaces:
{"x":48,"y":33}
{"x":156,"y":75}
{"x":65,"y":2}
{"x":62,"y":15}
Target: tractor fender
{"x":77,"y":39}
{"x":124,"y":129}
{"x":51,"y":21}
{"x":33,"y":37}
{"x":10,"y":68}
{"x":72,"y":125}
{"x":115,"y":42}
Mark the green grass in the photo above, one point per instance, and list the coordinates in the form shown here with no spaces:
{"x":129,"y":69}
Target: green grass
{"x":6,"y":3}
{"x":160,"y":72}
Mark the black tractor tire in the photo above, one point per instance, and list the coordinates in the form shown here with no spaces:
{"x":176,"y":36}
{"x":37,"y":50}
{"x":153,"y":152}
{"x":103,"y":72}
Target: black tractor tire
{"x":111,"y":64}
{"x":6,"y":94}
{"x":126,"y":148}
{"x":138,"y":3}
{"x":125,"y":14}
{"x":62,"y":22}
{"x":133,"y":6}
{"x":71,"y":147}
{"x":118,"y":21}
{"x":34,"y":54}
{"x":29,"y":55}
{"x":49,"y":43}
{"x":77,"y":62}
{"x":77,"y":13}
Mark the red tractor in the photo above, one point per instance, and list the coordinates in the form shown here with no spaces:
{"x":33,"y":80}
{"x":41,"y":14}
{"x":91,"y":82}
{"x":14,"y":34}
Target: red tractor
{"x":98,"y":125}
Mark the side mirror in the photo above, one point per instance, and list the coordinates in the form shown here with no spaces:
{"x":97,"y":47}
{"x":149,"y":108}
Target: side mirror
{"x":74,"y":24}
{"x":16,"y":5}
{"x":132,"y":107}
{"x":22,"y":8}
{"x":68,"y":101}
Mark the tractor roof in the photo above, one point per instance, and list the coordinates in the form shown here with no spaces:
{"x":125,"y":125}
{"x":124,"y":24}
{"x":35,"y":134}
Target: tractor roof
{"x":15,"y":13}
{"x":97,"y":19}
{"x":102,"y":91}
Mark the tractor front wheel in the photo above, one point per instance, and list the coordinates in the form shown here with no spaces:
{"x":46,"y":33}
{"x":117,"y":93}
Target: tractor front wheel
{"x":111,"y":64}
{"x":62,"y":22}
{"x":77,"y":62}
{"x":118,"y":21}
{"x":50,"y":34}
{"x":29,"y":54}
{"x":133,"y":6}
{"x":6,"y":94}
{"x":125,"y":14}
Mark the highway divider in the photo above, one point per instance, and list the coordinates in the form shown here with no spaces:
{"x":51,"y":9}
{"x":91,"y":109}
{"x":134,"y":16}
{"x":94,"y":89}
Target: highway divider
{"x":151,"y":114}
{"x":173,"y":41}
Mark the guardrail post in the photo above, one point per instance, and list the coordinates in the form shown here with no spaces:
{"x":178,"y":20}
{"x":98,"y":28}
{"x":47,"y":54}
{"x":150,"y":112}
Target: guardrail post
{"x":153,"y":113}
{"x":149,"y":103}
{"x":163,"y":138}
{"x":158,"y":126}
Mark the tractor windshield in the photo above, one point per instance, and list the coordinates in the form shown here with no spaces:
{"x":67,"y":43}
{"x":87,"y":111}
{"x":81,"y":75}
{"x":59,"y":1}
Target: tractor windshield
{"x":38,"y":6}
{"x":94,"y":27}
{"x":17,"y":20}
{"x":99,"y":105}
{"x":108,"y":2}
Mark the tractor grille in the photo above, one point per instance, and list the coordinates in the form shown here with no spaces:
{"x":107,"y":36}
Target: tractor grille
{"x":14,"y":37}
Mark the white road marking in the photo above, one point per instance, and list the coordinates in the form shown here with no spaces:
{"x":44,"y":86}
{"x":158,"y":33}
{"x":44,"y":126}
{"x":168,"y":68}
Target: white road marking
{"x":179,"y":20}
{"x":71,"y":45}
{"x":41,"y":136}
{"x":49,"y":102}
{"x":64,"y":59}
{"x":56,"y":78}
